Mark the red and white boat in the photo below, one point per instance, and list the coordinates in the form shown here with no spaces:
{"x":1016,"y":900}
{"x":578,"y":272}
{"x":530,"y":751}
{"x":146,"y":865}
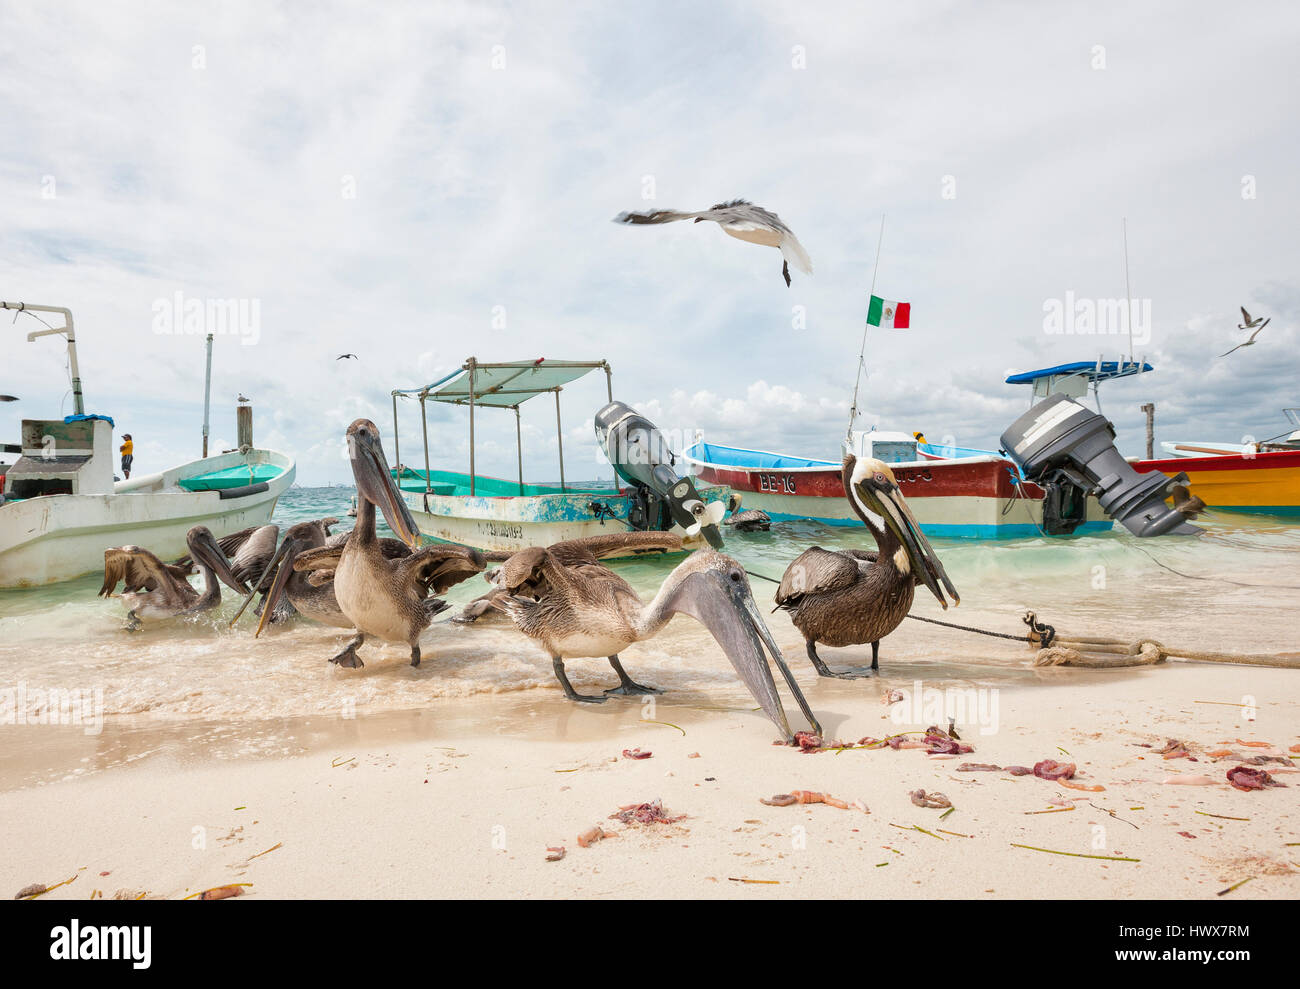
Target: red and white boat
{"x":954,"y":493}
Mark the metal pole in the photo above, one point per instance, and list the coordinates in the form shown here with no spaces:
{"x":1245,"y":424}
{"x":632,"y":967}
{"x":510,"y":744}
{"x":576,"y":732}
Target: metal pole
{"x":397,"y":446}
{"x":67,"y":330}
{"x":470,"y":365}
{"x":559,"y":436}
{"x":207,"y":397}
{"x":424,"y":423}
{"x":519,"y":446}
{"x":853,"y":409}
{"x":609,"y":383}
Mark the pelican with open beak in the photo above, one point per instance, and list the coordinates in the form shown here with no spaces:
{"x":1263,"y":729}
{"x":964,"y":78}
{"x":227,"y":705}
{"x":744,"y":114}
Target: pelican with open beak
{"x":379,"y":595}
{"x":582,"y":609}
{"x":851,"y":597}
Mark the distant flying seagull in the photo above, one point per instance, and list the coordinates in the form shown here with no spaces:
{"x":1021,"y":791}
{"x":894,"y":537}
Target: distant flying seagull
{"x":1248,"y":342}
{"x":744,"y":221}
{"x":345,"y":356}
{"x":1249,"y":323}
{"x":8,"y":398}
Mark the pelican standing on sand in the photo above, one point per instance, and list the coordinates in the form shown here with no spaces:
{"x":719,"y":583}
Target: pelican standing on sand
{"x":383,"y":597}
{"x":582,"y":609}
{"x":744,"y":221}
{"x":153,"y":589}
{"x":850,"y":597}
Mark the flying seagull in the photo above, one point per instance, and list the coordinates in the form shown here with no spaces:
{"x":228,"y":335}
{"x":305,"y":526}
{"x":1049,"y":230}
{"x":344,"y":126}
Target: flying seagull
{"x":744,"y":221}
{"x":1249,"y":323}
{"x":1248,"y":342}
{"x":345,"y":356}
{"x":8,"y":398}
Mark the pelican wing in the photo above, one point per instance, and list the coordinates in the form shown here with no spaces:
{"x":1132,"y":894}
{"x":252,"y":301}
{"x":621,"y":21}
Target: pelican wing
{"x":440,"y":566}
{"x":250,"y":550}
{"x":816,"y":571}
{"x":136,"y":568}
{"x":325,"y":558}
{"x":602,"y":547}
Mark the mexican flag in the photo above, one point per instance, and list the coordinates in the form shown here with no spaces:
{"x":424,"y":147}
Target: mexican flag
{"x":891,"y":315}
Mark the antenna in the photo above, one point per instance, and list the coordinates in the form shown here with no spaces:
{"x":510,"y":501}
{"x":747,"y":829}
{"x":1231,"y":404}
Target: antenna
{"x":1128,"y":295}
{"x":853,"y":410}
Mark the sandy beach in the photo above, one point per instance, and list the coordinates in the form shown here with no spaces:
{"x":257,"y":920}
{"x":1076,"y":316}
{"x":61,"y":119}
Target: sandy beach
{"x":465,"y":801}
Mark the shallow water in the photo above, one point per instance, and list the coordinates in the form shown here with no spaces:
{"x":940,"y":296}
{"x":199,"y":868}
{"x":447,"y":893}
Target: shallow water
{"x":195,"y":678}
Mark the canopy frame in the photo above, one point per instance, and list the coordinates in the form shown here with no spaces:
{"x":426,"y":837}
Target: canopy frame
{"x":474,"y":372}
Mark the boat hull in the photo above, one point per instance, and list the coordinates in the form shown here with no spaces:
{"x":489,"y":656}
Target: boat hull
{"x":968,"y":498}
{"x":1261,"y":484}
{"x":53,"y":538}
{"x":508,"y":523}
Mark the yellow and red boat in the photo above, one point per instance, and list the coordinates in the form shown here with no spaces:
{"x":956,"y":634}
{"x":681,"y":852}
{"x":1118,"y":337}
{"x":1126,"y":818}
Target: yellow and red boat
{"x":1266,"y":483}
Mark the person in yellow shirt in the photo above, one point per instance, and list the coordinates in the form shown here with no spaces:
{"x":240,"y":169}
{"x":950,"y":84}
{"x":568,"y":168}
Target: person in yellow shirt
{"x":127,"y":449}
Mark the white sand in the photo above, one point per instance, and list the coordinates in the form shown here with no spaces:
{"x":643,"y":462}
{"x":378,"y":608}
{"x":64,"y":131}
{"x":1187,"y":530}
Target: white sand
{"x":468,"y":816}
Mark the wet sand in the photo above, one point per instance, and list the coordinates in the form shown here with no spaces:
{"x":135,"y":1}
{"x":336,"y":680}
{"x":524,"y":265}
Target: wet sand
{"x":465,"y":799}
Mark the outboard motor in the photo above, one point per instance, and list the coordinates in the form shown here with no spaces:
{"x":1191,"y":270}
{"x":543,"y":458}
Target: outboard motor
{"x":1060,"y":444}
{"x":640,"y":455}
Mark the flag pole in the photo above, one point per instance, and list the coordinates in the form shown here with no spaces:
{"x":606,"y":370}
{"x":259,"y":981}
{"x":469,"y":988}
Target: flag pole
{"x":853,"y":410}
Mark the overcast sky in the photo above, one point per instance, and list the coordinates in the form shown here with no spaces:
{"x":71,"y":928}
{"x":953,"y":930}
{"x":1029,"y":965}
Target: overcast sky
{"x":399,"y":180}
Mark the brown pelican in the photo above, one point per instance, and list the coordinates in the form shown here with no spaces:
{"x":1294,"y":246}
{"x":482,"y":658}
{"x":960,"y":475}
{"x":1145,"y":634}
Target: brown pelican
{"x":153,"y":589}
{"x":583,"y":609}
{"x":850,"y":597}
{"x":744,"y":221}
{"x":383,"y":597}
{"x":570,"y":552}
{"x":750,"y":520}
{"x":311,"y":592}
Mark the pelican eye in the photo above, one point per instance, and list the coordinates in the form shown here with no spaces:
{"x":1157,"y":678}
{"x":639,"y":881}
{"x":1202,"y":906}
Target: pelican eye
{"x":735,"y":575}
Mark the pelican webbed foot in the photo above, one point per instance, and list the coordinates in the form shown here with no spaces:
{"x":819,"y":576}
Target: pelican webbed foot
{"x":627,"y":686}
{"x":569,"y":692}
{"x":853,"y":673}
{"x":348,"y":658}
{"x":415,"y":655}
{"x":133,"y":623}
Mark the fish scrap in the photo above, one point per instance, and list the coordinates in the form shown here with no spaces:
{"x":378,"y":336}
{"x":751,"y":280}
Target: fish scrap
{"x":813,"y":797}
{"x":555,"y":853}
{"x":1050,"y":769}
{"x":636,"y":754}
{"x":932,"y":799}
{"x":1245,"y":778}
{"x":647,"y":813}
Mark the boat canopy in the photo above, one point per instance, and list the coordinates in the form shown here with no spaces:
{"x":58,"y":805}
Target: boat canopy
{"x":1073,"y":379}
{"x":505,"y":385}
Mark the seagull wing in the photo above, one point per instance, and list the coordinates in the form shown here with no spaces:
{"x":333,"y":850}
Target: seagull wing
{"x":794,"y":253}
{"x":656,"y":216}
{"x":1245,"y":316}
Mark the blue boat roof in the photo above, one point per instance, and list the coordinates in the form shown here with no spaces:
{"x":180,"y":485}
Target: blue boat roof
{"x":1094,"y":371}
